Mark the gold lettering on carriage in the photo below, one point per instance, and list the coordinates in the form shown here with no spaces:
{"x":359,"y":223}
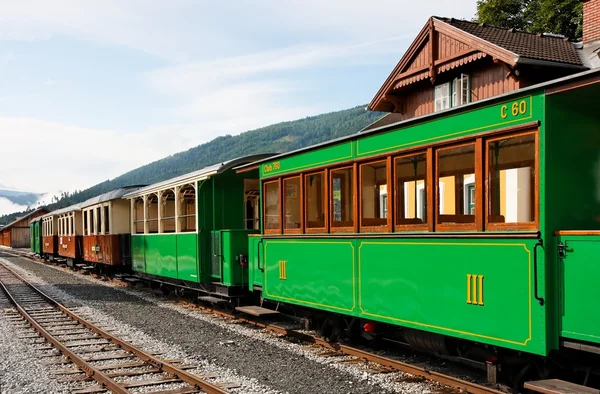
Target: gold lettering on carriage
{"x":515,"y":109}
{"x":474,"y":289}
{"x":271,"y":167}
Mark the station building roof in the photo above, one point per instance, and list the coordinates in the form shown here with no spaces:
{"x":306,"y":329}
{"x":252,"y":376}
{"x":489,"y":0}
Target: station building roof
{"x":23,"y":218}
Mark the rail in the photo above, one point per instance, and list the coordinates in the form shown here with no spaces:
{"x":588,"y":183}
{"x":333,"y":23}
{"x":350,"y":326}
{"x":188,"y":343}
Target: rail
{"x":42,"y":319}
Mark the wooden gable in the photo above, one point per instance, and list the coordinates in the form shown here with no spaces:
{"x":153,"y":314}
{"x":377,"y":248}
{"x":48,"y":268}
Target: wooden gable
{"x":438,"y":48}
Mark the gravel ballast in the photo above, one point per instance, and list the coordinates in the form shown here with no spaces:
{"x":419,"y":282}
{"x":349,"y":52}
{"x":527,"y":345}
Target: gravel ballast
{"x":256,"y":355}
{"x":20,"y":370}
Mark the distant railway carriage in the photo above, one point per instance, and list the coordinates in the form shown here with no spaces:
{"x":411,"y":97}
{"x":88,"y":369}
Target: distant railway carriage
{"x":70,"y":231}
{"x":49,"y":236}
{"x":191,"y":230}
{"x":106,"y":229}
{"x":35,"y":235}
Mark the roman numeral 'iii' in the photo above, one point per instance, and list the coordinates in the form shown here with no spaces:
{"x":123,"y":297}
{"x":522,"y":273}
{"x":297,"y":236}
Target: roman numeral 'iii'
{"x":474,"y":289}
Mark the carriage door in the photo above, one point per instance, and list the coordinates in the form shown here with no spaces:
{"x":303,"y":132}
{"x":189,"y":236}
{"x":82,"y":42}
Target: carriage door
{"x":216,"y":255}
{"x":579,"y":275}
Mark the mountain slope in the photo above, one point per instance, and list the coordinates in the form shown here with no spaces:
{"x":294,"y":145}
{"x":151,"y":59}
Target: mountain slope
{"x":280,"y":137}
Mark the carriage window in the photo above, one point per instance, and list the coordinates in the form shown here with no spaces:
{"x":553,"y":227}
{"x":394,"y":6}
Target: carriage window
{"x":91,"y":222}
{"x":86,"y":230}
{"x":456,"y":184}
{"x":342,"y":196}
{"x":72,"y":222}
{"x":373,"y":194}
{"x":511,"y":179}
{"x":314,"y":197}
{"x":411,"y":190}
{"x":152,"y":220}
{"x":168,"y":211}
{"x":187,"y":208}
{"x":106,"y":220}
{"x":98,"y":221}
{"x":138,"y":216}
{"x":291,"y":203}
{"x":271,"y":198}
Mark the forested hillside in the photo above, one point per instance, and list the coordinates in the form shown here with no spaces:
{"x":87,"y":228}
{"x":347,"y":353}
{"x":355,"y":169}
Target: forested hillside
{"x":281,"y":137}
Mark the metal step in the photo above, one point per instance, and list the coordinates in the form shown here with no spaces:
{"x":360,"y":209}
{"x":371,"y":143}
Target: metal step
{"x":256,"y":310}
{"x":213,"y":300}
{"x":557,"y":386}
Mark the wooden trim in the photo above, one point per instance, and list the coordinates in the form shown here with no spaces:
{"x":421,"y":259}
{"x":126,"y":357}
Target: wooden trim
{"x":479,"y":182}
{"x":300,"y":206}
{"x":279,"y":208}
{"x":353,"y":227}
{"x":431,"y":190}
{"x":406,"y":74}
{"x":302,"y":222}
{"x":406,"y":58}
{"x":324,"y":197}
{"x":577,"y":232}
{"x":408,"y":151}
{"x":534,"y":225}
{"x":453,"y":226}
{"x":355,"y":192}
{"x":390,"y":189}
{"x":420,"y":235}
{"x":399,"y":194}
{"x":361,"y":219}
{"x":454,"y":57}
{"x":474,"y":41}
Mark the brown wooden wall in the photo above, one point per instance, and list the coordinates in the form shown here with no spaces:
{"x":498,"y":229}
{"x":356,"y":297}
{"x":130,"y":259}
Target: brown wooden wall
{"x":108,"y":249}
{"x":70,"y":246}
{"x":20,"y":237}
{"x":6,"y":238}
{"x":487,"y":80}
{"x":50,"y":244}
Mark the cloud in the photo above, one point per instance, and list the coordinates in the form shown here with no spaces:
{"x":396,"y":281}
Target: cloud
{"x":7,"y":206}
{"x":40,"y":156}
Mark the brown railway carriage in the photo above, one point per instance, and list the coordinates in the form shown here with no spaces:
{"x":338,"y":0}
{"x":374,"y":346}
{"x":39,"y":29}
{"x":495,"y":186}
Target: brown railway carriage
{"x":69,"y":229}
{"x":107,"y":229}
{"x":49,"y":235}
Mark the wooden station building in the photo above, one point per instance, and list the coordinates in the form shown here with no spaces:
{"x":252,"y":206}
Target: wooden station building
{"x":16,"y":234}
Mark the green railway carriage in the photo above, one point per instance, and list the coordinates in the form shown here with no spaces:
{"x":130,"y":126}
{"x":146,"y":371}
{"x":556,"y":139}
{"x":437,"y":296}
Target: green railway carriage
{"x":474,"y":224}
{"x":35,"y":235}
{"x":190,"y":231}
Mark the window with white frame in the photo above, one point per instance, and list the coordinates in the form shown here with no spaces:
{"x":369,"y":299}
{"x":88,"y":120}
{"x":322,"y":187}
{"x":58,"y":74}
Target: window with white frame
{"x":453,"y":94}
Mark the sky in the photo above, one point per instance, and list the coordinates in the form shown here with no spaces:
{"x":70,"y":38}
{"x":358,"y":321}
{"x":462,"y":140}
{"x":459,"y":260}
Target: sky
{"x":92,"y":89}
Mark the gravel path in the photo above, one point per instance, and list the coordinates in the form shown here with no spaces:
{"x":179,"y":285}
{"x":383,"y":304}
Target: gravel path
{"x":253,"y":353}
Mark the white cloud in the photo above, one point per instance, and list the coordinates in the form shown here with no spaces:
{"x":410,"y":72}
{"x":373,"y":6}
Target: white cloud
{"x":7,"y":206}
{"x":41,"y":156}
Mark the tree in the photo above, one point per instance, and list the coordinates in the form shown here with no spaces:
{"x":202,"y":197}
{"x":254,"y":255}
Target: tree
{"x":534,"y":16}
{"x":503,"y":13}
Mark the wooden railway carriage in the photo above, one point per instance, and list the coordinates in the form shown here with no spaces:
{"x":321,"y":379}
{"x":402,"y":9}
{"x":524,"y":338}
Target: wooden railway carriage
{"x":459,"y":227}
{"x":70,"y":230}
{"x":106,"y":229}
{"x":49,"y":232}
{"x":35,"y":235}
{"x":190,"y":231}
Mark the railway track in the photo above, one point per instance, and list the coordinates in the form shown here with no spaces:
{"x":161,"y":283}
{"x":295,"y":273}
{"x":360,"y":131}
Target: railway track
{"x":335,"y":349}
{"x":85,"y":346}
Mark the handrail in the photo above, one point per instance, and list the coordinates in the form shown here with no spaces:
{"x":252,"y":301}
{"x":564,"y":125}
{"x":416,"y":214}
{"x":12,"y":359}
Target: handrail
{"x":540,"y":242}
